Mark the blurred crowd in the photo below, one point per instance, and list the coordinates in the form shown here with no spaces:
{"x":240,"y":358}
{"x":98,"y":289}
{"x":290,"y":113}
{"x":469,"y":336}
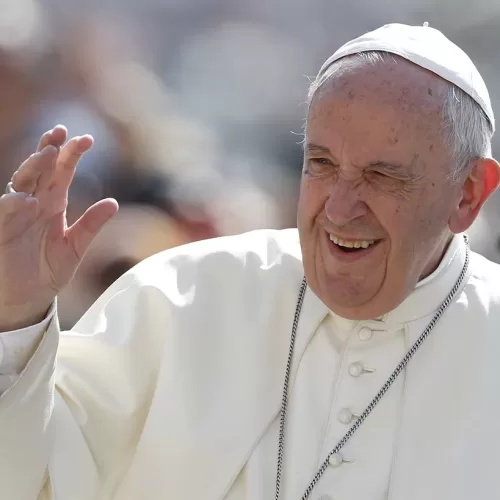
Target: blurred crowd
{"x":196,"y":107}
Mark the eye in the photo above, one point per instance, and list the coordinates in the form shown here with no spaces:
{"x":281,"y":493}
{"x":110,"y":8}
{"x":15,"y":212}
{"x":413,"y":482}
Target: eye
{"x":382,"y":180}
{"x":378,"y":175}
{"x":321,"y":161}
{"x":319,"y":166}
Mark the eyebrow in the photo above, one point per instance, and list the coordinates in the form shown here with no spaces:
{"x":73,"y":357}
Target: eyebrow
{"x":316,"y":149}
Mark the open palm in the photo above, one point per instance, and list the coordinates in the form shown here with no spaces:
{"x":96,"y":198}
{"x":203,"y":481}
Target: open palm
{"x":39,"y":254}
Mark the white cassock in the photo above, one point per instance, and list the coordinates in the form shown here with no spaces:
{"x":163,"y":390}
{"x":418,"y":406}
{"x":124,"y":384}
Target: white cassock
{"x":169,"y":388}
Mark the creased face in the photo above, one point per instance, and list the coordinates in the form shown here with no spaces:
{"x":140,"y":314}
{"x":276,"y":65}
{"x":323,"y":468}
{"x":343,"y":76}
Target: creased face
{"x":375,"y":200}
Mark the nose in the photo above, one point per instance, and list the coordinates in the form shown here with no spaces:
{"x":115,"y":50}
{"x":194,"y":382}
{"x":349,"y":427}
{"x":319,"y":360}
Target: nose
{"x":344,"y":204}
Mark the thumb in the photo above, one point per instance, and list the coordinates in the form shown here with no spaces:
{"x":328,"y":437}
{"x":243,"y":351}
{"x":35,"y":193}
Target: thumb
{"x":80,"y":235}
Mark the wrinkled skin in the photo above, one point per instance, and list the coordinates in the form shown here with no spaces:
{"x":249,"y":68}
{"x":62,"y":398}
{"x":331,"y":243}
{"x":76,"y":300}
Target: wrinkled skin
{"x":376,"y":168}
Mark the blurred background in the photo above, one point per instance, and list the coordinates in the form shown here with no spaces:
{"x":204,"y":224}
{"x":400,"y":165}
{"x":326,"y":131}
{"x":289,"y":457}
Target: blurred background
{"x":196,"y":107}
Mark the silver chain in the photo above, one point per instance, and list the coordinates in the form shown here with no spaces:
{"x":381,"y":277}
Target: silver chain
{"x":406,"y":359}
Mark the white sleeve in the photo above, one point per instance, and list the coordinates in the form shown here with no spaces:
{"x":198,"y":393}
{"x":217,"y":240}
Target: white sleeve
{"x":17,"y":347}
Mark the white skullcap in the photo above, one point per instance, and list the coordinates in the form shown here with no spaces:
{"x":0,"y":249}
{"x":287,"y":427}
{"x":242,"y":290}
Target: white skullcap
{"x":426,"y":47}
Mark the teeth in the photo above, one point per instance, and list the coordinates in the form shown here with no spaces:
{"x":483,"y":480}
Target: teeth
{"x":352,"y":243}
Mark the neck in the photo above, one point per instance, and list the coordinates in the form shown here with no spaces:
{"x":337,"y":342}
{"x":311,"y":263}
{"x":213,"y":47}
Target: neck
{"x":437,"y":256}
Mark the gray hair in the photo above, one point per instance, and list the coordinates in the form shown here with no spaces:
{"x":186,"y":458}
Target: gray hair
{"x":466,"y":129}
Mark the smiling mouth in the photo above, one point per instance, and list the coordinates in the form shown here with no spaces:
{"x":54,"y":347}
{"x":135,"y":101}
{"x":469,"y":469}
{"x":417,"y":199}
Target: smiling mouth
{"x":352,"y":246}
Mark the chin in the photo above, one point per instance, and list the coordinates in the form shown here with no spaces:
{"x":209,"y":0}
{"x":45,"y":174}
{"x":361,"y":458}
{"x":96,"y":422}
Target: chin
{"x":349,"y":300}
{"x":351,"y":309}
{"x":363,"y":307}
{"x":355,"y":313}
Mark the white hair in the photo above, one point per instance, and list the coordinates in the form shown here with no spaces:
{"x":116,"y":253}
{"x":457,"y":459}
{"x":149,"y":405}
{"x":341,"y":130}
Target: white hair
{"x":466,"y":129}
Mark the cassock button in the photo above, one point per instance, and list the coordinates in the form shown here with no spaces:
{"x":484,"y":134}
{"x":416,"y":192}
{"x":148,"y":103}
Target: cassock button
{"x":357,"y":369}
{"x":346,"y":416}
{"x":365,"y":334}
{"x":336,"y":460}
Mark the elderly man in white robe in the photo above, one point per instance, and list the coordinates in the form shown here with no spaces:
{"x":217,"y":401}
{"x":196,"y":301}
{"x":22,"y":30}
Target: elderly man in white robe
{"x":356,"y":358}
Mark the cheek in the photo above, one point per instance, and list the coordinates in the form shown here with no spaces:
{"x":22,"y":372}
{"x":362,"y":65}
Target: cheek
{"x":409,"y":226}
{"x":398,"y":218}
{"x":312,"y":199}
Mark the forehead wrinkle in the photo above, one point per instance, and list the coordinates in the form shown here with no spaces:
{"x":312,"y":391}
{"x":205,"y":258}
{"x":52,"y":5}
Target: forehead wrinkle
{"x":411,"y":113}
{"x":397,"y":131}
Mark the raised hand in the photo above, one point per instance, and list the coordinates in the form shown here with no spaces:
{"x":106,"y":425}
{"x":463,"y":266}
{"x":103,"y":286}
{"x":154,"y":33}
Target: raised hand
{"x":39,"y":254}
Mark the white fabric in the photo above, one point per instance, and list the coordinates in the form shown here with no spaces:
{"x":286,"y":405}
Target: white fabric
{"x":16,"y":349}
{"x":170,"y":387}
{"x":323,"y":388}
{"x":429,"y":48}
